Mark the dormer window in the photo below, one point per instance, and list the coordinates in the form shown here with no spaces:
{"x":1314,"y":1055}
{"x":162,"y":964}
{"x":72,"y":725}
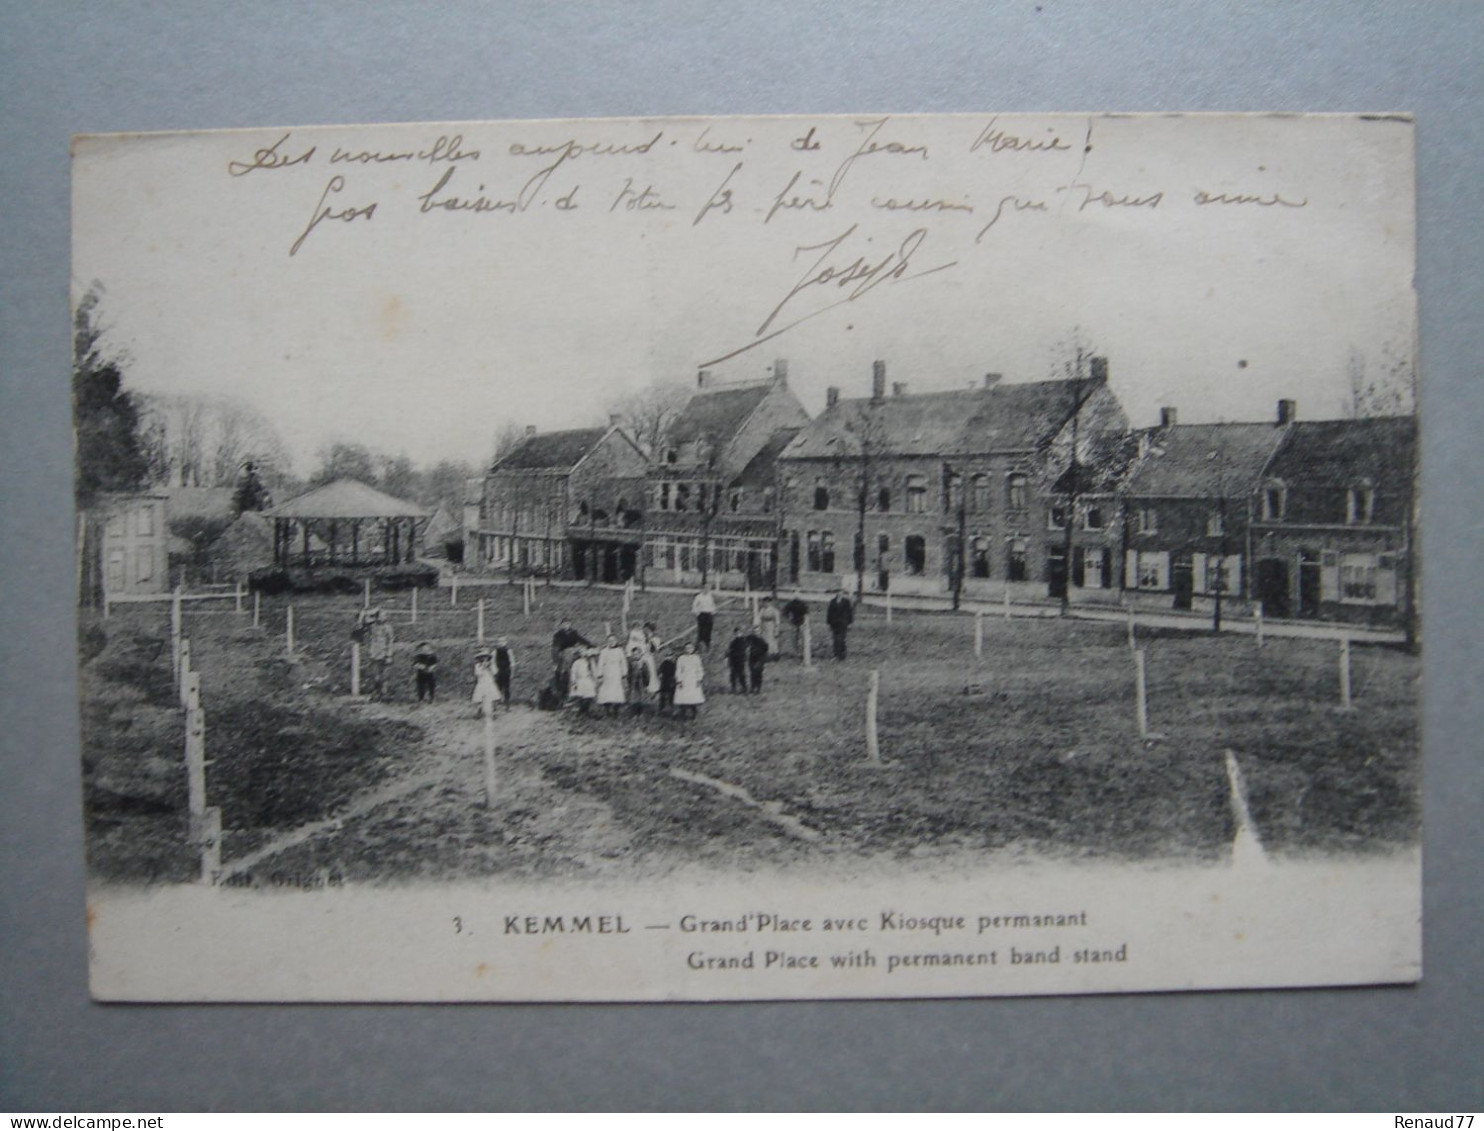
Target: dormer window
{"x":1092,"y":518}
{"x":1274,"y":501}
{"x":672,"y":455}
{"x":1360,"y":502}
{"x":821,"y":496}
{"x":1215,"y":525}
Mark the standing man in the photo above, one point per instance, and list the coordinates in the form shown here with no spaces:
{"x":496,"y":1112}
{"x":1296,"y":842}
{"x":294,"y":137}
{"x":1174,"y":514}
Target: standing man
{"x":757,"y":657}
{"x":381,"y":643}
{"x":737,"y":662}
{"x":504,"y":668}
{"x":704,"y":607}
{"x":796,"y":612}
{"x":564,"y":638}
{"x":839,"y":616}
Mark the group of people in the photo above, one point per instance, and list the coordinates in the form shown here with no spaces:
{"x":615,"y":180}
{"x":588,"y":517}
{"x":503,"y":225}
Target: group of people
{"x":629,"y":674}
{"x":633,"y":673}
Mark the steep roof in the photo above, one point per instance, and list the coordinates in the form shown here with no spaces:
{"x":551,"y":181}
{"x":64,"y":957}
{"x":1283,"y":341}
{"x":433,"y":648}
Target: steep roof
{"x":959,"y":422}
{"x":759,"y":470}
{"x":551,"y":451}
{"x":1340,"y":453}
{"x":717,"y":414}
{"x":1204,"y":461}
{"x":346,"y":498}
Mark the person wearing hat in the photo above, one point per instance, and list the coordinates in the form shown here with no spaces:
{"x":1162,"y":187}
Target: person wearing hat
{"x":584,"y":680}
{"x":486,"y":690}
{"x":425,"y":671}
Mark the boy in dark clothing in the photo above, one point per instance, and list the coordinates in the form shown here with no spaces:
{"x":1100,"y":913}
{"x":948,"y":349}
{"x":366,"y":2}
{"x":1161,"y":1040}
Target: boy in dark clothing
{"x":757,"y":657}
{"x":737,"y":663}
{"x":425,"y":672}
{"x":667,"y":684}
{"x":838,"y":615}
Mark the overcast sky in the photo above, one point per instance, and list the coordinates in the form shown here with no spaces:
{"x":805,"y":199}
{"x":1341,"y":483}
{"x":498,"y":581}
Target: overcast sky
{"x":423,"y":329}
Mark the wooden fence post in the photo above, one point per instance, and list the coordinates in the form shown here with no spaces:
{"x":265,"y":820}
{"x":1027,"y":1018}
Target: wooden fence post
{"x":490,"y":782}
{"x":366,"y":594}
{"x":237,"y":597}
{"x":525,"y":596}
{"x":479,"y":621}
{"x":1007,"y":600}
{"x":888,"y":606}
{"x":453,"y":592}
{"x":1257,"y":622}
{"x":1141,"y":701}
{"x":288,"y":632}
{"x":183,"y":651}
{"x":211,"y":845}
{"x":257,"y":610}
{"x":1133,"y":637}
{"x":979,"y":632}
{"x":1345,"y":700}
{"x":195,"y":754}
{"x":355,"y":670}
{"x":808,"y":649}
{"x":873,"y":695}
{"x":175,"y":629}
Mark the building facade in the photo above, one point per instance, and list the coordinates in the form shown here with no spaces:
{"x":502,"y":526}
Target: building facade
{"x":134,"y":543}
{"x":938,"y":492}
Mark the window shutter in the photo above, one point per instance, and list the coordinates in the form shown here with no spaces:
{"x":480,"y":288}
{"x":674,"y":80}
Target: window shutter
{"x":1234,"y":575}
{"x":1329,"y":576}
{"x":1131,"y":569}
{"x":1162,"y":562}
{"x":1386,"y":579}
{"x":1198,"y":572}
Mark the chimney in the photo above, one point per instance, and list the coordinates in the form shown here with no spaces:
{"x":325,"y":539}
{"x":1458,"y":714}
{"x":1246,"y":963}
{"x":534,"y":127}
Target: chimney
{"x":832,"y":396}
{"x":1098,"y":368}
{"x":703,"y":379}
{"x":613,"y":419}
{"x":992,"y":379}
{"x":1287,"y":411}
{"x":780,"y":372}
{"x":1167,"y":417}
{"x":1143,"y":445}
{"x":898,"y":388}
{"x":878,"y":382}
{"x":530,"y":429}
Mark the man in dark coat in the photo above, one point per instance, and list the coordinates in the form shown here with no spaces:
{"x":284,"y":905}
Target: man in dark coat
{"x":839,"y":616}
{"x":757,"y":657}
{"x":737,"y":663}
{"x":564,"y":638}
{"x":796,"y":612}
{"x":504,"y":660}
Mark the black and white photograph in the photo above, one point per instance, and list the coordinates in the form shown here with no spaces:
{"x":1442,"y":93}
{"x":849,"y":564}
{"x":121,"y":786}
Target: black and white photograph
{"x":852,"y":556}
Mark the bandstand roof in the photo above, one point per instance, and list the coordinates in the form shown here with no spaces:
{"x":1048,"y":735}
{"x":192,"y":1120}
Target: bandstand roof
{"x":346,"y":499}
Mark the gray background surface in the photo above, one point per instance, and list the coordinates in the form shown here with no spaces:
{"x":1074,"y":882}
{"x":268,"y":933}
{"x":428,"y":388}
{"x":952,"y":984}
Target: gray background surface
{"x":69,"y":68}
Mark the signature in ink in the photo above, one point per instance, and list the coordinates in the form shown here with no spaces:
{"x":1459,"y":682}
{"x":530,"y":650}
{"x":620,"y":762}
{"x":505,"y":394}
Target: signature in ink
{"x":856,"y":279}
{"x":997,"y":140}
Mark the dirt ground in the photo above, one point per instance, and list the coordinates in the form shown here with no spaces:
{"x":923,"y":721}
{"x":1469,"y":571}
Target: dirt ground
{"x":1032,"y":747}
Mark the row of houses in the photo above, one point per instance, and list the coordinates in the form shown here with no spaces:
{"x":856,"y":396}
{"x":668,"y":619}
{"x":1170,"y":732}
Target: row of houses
{"x":1038,"y":490}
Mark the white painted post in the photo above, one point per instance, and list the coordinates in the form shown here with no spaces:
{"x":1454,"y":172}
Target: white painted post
{"x":979,"y":632}
{"x":414,"y":604}
{"x":1007,"y":600}
{"x":185,"y":667}
{"x":1141,"y":702}
{"x":479,"y":621}
{"x":1345,"y":701}
{"x":873,"y":694}
{"x":175,"y":625}
{"x":106,"y":603}
{"x":453,"y":593}
{"x":288,"y":632}
{"x":808,"y":648}
{"x":257,"y":610}
{"x":237,"y":597}
{"x":1257,"y":622}
{"x":490,"y":782}
{"x":195,"y":753}
{"x":211,"y":845}
{"x":355,"y":670}
{"x":1133,"y":637}
{"x":366,"y":594}
{"x":888,"y":606}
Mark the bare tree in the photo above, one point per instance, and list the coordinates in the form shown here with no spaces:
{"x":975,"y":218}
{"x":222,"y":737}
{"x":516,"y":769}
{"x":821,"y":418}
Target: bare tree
{"x":647,"y":414}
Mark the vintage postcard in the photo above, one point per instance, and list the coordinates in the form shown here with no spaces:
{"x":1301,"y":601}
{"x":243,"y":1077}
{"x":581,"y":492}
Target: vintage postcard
{"x":749,"y":558}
